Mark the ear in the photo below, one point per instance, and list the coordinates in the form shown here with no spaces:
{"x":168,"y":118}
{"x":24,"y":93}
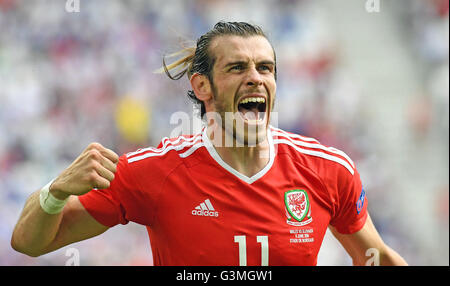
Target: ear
{"x":201,"y":86}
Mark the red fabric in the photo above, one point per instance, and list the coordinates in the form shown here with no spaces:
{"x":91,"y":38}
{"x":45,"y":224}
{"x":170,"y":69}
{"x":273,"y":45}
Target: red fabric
{"x":166,"y":191}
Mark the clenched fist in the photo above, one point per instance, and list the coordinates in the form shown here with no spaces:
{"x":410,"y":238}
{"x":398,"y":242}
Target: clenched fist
{"x":94,"y":168}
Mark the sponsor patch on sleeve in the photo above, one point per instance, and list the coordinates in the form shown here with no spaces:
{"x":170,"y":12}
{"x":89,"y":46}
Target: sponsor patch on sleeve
{"x":360,"y":202}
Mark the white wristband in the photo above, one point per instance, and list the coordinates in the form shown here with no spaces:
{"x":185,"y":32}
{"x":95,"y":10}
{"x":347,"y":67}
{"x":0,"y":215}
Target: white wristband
{"x":49,"y":203}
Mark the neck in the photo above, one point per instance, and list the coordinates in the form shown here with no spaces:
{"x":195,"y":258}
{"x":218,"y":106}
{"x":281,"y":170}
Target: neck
{"x":244,"y":158}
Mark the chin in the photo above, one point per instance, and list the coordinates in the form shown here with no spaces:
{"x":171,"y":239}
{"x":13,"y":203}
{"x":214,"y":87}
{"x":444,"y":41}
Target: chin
{"x":250,"y":135}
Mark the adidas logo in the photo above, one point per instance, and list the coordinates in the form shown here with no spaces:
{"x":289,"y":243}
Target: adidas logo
{"x":205,"y":209}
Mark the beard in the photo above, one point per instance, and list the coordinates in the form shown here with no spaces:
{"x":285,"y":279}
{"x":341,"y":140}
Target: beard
{"x":231,"y":129}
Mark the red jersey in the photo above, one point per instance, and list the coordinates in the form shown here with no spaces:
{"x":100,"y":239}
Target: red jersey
{"x":200,"y":211}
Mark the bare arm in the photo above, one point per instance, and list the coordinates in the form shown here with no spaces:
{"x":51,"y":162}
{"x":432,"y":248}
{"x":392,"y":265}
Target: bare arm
{"x":366,"y":246}
{"x":38,"y":232}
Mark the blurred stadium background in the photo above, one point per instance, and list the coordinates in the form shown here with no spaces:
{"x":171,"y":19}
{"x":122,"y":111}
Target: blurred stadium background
{"x":372,"y":84}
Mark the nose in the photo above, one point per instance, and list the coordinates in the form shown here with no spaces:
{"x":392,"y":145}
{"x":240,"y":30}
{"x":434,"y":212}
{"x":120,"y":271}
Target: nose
{"x":254,"y":77}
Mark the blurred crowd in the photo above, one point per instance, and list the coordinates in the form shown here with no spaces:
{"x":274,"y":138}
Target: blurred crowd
{"x":68,"y":79}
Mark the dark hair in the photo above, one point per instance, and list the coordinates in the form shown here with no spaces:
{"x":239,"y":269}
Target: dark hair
{"x":199,"y":60}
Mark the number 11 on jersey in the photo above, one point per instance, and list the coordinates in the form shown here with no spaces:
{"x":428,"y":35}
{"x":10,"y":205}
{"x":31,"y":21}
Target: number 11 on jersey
{"x":241,"y":240}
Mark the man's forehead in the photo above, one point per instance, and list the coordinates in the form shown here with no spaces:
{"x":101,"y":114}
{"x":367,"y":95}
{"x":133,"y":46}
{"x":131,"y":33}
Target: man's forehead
{"x":231,"y":47}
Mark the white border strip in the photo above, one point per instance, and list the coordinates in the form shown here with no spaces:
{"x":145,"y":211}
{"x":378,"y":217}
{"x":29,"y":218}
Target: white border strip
{"x":292,"y":135}
{"x":316,"y":153}
{"x":176,"y":148}
{"x":166,"y":141}
{"x":316,"y":146}
{"x":191,"y":150}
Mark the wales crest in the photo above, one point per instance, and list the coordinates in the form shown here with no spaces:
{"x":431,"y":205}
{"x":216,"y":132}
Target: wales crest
{"x":298,"y":207}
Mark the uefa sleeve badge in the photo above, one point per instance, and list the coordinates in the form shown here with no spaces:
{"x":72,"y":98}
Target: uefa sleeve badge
{"x":360,"y":202}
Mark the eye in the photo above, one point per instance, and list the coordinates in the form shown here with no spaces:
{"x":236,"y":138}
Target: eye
{"x":237,"y":68}
{"x":265,"y":68}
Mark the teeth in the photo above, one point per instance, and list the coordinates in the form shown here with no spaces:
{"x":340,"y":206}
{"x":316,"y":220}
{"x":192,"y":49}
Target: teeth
{"x":253,"y":99}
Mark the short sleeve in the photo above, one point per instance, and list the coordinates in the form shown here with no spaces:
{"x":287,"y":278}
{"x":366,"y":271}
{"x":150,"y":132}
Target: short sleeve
{"x":107,"y":206}
{"x":351,"y":206}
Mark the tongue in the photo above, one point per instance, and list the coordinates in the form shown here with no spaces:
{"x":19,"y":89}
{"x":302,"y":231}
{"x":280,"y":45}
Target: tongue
{"x":251,"y":114}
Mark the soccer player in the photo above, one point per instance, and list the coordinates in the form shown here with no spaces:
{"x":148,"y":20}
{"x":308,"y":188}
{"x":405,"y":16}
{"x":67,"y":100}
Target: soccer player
{"x":240,"y":192}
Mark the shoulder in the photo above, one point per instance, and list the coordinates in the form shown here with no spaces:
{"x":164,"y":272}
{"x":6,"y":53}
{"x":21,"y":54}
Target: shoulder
{"x":152,"y":165}
{"x":312,"y":154}
{"x":174,"y":148}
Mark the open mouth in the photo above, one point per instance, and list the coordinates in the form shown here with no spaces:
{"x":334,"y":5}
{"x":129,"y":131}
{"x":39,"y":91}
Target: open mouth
{"x":253,"y":109}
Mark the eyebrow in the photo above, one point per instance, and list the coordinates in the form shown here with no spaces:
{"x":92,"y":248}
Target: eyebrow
{"x":263,"y":62}
{"x":266,"y":62}
{"x":235,"y":63}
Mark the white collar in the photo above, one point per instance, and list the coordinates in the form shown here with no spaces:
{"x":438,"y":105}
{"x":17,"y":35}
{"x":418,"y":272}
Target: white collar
{"x":249,"y":180}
